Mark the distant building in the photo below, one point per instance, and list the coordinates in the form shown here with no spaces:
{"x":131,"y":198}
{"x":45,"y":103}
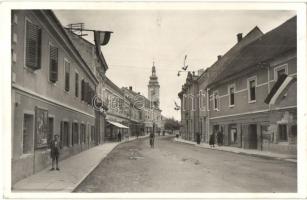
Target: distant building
{"x":118,"y":113}
{"x":248,"y":95}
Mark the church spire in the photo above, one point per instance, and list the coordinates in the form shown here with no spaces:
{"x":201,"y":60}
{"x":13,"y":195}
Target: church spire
{"x":153,"y":70}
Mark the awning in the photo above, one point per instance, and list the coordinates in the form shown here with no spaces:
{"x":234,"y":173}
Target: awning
{"x":119,"y":125}
{"x":279,"y":89}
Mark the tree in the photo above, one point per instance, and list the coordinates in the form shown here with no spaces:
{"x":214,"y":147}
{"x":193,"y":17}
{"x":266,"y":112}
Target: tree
{"x":171,"y":124}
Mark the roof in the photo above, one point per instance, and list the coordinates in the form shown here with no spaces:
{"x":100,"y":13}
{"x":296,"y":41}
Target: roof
{"x":114,"y":86}
{"x":76,"y":39}
{"x":51,"y":16}
{"x":220,"y":65}
{"x":268,"y":46}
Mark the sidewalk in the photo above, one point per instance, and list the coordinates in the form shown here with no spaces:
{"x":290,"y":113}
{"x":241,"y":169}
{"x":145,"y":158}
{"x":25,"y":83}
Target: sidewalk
{"x":73,"y":171}
{"x":251,"y":152}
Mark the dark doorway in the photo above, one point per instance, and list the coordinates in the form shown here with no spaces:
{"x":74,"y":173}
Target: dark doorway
{"x":252,"y":136}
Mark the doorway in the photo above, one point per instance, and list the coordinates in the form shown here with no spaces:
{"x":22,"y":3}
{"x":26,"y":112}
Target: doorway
{"x":252,"y":136}
{"x":28,"y":129}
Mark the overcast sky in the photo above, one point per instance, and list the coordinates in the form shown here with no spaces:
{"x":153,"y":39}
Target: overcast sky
{"x":166,"y":36}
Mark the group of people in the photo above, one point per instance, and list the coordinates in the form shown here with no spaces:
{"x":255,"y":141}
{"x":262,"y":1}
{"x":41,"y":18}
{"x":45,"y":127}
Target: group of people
{"x":219,"y":138}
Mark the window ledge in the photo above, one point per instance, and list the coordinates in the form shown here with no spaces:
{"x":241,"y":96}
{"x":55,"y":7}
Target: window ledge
{"x":253,"y":101}
{"x":231,"y":106}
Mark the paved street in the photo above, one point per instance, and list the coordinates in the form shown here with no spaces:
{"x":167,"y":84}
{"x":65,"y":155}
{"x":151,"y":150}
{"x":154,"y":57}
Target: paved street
{"x":177,"y":167}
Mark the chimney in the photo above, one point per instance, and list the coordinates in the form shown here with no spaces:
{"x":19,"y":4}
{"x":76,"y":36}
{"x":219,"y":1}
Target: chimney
{"x":239,"y":37}
{"x":130,"y":88}
{"x":219,"y":57}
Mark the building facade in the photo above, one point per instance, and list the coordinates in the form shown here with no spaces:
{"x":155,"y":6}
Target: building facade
{"x":250,"y":95}
{"x":47,"y":97}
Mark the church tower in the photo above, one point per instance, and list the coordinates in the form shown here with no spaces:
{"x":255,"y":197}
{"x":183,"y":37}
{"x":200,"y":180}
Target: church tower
{"x":154,"y":87}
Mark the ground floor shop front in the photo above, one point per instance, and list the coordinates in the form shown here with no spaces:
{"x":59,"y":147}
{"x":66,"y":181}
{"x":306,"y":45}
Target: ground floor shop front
{"x":34,"y":123}
{"x":274,"y":131}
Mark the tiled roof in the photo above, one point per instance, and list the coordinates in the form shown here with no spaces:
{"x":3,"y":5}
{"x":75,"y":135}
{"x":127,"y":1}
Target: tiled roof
{"x":270,"y":45}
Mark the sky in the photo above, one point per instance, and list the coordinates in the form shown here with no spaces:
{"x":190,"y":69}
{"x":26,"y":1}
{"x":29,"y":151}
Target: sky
{"x":165,"y":37}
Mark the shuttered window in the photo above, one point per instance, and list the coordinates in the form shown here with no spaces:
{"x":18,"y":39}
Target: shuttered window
{"x":76,"y":84}
{"x":82,"y":89}
{"x":67,"y":75}
{"x":53,"y":65}
{"x":33,"y":46}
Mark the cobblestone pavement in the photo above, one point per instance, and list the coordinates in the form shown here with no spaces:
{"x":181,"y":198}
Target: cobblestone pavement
{"x":179,"y":167}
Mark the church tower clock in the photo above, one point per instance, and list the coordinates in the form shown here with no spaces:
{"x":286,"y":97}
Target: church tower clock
{"x":154,"y":87}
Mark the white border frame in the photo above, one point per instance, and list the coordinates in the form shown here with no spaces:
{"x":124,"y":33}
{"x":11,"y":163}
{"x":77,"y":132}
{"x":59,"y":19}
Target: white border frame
{"x":302,"y":82}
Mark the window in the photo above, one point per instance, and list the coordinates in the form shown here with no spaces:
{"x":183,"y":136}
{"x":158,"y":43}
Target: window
{"x":93,"y":133}
{"x":283,"y":134}
{"x":53,"y":64}
{"x":50,"y":128}
{"x":64,"y":137}
{"x":67,"y":75}
{"x":76,"y":84}
{"x":231,"y":96}
{"x":82,"y":90}
{"x":75,"y":133}
{"x":28,"y":133}
{"x":280,"y":70}
{"x":33,"y":46}
{"x":252,"y":90}
{"x":82,"y":133}
{"x":215,"y":100}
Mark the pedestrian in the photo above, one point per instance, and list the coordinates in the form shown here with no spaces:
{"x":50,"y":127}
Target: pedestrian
{"x":55,"y":147}
{"x":219,"y":138}
{"x":198,"y":138}
{"x":152,"y":140}
{"x":119,"y":136}
{"x":211,"y":140}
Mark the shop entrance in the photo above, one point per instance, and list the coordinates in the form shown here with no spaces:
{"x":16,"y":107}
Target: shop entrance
{"x":252,"y":136}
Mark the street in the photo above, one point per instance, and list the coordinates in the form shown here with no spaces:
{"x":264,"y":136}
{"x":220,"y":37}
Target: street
{"x":177,"y":167}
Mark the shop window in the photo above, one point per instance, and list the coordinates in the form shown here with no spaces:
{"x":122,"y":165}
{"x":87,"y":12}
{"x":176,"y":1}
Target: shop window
{"x":64,"y":133}
{"x":282,"y":131}
{"x":82,"y":133}
{"x":233,"y":133}
{"x":53,"y":63}
{"x":41,"y":128}
{"x":93,"y":134}
{"x":33,"y":46}
{"x":50,"y":128}
{"x":75,"y":133}
{"x":28,"y":132}
{"x":67,"y":75}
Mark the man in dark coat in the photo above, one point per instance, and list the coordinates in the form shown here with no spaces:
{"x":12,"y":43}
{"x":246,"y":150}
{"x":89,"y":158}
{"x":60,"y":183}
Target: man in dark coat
{"x":55,"y":147}
{"x":119,"y":136}
{"x":211,"y":140}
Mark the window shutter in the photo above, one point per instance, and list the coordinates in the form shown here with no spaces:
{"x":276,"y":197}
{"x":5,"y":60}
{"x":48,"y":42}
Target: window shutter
{"x":67,"y":76}
{"x":33,"y":46}
{"x":53,"y":76}
{"x":76,"y":85}
{"x":82,"y":90}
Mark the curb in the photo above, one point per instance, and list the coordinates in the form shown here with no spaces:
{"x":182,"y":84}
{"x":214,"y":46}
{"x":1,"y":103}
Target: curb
{"x":242,"y":153}
{"x":94,"y":167}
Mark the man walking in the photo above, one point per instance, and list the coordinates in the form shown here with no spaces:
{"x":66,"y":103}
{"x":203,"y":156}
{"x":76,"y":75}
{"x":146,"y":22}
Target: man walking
{"x":152,"y":140}
{"x":55,"y":152}
{"x":119,"y":136}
